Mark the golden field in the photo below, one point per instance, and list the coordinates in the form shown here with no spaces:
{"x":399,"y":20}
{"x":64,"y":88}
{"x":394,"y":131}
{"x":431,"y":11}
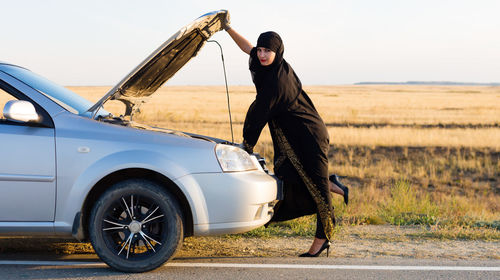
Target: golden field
{"x":453,"y":116}
{"x":411,"y":154}
{"x":427,"y":155}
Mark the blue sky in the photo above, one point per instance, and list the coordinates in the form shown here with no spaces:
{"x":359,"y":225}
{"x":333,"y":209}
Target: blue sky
{"x":326,"y":42}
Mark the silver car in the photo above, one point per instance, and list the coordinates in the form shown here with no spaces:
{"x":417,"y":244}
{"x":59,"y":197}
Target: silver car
{"x":69,"y":168}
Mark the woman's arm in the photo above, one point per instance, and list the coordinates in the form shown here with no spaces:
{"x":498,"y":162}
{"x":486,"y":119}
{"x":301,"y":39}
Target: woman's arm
{"x":259,"y":113}
{"x":243,"y":43}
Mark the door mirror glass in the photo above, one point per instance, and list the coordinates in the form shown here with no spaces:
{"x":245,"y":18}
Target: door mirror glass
{"x":21,"y":111}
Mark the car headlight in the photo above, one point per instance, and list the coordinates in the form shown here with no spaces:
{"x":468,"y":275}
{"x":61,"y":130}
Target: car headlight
{"x":233,"y":158}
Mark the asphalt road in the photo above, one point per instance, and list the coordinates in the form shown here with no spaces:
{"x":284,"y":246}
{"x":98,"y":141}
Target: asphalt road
{"x":26,"y":266}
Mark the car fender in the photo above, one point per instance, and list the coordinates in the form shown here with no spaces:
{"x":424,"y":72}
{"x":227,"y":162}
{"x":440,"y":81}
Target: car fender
{"x":68,"y":204}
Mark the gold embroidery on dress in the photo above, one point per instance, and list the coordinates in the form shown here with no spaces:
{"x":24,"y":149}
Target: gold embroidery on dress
{"x":323,"y":207}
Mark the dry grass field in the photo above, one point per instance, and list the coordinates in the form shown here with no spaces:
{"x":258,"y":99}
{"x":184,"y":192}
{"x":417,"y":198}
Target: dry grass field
{"x":446,"y":116}
{"x":425,"y":155}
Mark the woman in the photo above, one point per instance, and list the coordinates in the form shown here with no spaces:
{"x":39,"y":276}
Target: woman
{"x":299,"y":135}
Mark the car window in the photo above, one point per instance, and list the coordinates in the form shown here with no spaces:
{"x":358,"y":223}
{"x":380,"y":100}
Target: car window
{"x":4,"y":98}
{"x":61,"y":95}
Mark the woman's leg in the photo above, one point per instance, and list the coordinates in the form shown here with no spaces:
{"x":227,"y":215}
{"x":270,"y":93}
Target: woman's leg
{"x":335,"y":189}
{"x":319,"y":237}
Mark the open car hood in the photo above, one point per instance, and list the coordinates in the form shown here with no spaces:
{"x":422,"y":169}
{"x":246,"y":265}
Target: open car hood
{"x":164,"y":62}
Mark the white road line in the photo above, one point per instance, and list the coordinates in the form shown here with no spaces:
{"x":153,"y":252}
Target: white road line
{"x":272,"y":266}
{"x":348,"y":267}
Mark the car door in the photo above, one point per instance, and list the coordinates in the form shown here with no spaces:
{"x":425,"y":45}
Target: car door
{"x":27,"y":169}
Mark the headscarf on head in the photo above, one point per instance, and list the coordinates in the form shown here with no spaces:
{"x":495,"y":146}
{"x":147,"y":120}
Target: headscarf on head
{"x":271,"y":40}
{"x":276,"y":84}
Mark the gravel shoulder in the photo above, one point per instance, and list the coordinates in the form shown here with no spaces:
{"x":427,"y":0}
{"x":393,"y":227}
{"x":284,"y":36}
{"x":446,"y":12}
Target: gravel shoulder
{"x":350,"y":242}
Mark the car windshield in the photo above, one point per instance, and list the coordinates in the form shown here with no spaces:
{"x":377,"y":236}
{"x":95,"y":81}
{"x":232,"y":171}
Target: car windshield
{"x":64,"y":97}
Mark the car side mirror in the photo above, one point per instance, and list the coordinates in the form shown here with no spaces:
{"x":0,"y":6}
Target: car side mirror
{"x":20,"y":111}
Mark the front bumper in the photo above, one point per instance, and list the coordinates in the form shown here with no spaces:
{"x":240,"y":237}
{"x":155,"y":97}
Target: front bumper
{"x":224,"y":203}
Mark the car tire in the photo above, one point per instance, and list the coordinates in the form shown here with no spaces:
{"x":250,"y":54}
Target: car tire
{"x":136,"y":226}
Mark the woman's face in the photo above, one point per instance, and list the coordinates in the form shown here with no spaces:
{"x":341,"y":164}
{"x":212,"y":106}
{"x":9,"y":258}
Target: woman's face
{"x":266,"y":56}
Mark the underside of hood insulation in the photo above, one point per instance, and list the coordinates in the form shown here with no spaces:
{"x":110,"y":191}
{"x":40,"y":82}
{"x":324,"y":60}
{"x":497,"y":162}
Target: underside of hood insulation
{"x":135,"y":88}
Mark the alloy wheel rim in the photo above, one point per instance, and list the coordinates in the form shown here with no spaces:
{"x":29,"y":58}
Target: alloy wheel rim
{"x":134,"y":227}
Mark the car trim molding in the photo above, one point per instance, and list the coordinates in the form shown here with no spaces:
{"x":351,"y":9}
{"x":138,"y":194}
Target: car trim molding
{"x":29,"y":178}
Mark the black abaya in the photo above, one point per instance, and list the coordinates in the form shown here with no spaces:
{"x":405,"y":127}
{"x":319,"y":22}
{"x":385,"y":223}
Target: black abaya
{"x":299,"y":135}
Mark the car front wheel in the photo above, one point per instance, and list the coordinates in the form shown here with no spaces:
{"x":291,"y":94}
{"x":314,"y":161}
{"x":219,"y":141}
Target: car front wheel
{"x":136,"y":226}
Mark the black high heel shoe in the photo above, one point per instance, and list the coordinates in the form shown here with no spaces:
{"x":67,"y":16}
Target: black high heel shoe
{"x":335,"y":179}
{"x":326,"y":245}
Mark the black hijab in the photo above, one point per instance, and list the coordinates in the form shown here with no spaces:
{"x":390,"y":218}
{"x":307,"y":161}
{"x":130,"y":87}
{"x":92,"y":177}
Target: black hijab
{"x":277,"y":78}
{"x":270,"y":40}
